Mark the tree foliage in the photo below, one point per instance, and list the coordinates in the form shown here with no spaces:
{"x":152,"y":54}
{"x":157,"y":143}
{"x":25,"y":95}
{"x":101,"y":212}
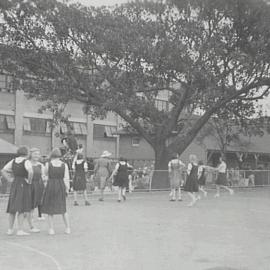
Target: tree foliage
{"x":205,"y":56}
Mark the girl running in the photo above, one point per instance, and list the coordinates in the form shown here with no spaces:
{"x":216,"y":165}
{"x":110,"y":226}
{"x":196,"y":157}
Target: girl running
{"x":191,"y":185}
{"x":56,"y":190}
{"x":121,"y":179}
{"x":202,"y":178}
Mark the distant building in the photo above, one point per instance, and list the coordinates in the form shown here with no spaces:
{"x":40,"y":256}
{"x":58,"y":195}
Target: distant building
{"x":22,"y":124}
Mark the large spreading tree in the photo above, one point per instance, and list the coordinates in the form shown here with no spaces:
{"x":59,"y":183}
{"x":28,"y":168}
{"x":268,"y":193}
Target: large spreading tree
{"x":205,"y":56}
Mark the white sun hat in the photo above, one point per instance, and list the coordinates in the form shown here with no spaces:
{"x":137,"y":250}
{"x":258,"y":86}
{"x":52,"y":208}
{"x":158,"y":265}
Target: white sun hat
{"x":106,"y":154}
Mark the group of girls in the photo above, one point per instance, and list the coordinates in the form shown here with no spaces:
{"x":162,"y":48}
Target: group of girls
{"x":196,"y":178}
{"x":36,"y":186}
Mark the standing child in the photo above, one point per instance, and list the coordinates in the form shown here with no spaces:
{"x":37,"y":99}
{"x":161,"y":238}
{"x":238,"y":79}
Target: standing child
{"x":20,"y":197}
{"x":121,"y":179}
{"x":175,"y":168}
{"x":37,"y":182}
{"x":79,"y":183}
{"x":54,"y":202}
{"x":202,"y":178}
{"x":191,"y":185}
{"x":222,"y":181}
{"x":102,"y":172}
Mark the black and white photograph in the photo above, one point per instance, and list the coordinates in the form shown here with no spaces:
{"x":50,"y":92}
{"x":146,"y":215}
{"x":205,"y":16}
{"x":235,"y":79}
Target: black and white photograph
{"x":134,"y":134}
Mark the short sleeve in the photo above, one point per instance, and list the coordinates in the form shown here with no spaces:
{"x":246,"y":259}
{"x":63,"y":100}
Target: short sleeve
{"x":85,"y":166}
{"x":189,"y":168}
{"x":8,"y":167}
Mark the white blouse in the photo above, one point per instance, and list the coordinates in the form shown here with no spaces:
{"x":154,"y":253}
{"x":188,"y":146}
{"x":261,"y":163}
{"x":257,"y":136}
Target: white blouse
{"x":222,"y":167}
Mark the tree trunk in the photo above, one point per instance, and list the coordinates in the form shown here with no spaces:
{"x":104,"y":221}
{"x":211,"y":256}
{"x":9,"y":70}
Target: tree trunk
{"x":160,"y":178}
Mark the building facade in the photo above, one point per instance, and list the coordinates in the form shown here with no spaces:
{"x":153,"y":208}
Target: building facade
{"x":21,"y":123}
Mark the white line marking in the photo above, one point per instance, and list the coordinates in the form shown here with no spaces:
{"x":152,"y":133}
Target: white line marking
{"x":56,"y":263}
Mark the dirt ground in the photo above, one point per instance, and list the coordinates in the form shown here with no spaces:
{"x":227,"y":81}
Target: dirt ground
{"x":149,"y":232}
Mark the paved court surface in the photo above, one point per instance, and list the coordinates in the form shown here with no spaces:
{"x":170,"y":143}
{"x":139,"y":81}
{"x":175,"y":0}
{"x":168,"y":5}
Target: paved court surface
{"x":149,"y":232}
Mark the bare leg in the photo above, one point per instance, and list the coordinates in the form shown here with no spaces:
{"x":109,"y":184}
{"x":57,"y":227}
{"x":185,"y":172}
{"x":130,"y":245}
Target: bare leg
{"x":75,"y":197}
{"x":119,"y":194}
{"x":173,"y":194}
{"x":193,"y":198}
{"x":20,"y":221}
{"x":50,"y":224}
{"x":29,"y":217}
{"x":218,"y":191}
{"x":124,"y":193}
{"x":228,"y":189}
{"x":11,"y":221}
{"x":179,"y":194}
{"x":85,"y":195}
{"x":201,"y":188}
{"x":66,"y":222}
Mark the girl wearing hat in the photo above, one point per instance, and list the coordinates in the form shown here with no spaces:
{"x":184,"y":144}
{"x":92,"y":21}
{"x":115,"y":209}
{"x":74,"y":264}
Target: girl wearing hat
{"x":79,"y":183}
{"x":37,"y":181}
{"x":121,"y":179}
{"x":57,"y":186}
{"x":175,"y":168}
{"x":102,"y":171}
{"x":20,"y":172}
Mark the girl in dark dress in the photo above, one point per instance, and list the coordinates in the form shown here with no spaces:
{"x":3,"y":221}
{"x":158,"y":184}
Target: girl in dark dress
{"x":19,"y":170}
{"x":37,"y":182}
{"x":79,"y":183}
{"x":121,"y":179}
{"x":56,"y":190}
{"x":191,"y":185}
{"x":202,"y":178}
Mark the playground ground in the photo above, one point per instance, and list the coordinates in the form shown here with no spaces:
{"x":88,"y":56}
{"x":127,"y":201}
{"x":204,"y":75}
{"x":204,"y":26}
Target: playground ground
{"x":149,"y":232}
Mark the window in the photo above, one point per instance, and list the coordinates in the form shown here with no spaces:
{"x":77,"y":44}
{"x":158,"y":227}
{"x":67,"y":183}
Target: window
{"x":7,"y":122}
{"x":162,"y":105}
{"x":79,"y":128}
{"x":5,"y":82}
{"x":10,"y":122}
{"x":135,"y":141}
{"x":63,"y":128}
{"x":102,"y":131}
{"x":36,"y":125}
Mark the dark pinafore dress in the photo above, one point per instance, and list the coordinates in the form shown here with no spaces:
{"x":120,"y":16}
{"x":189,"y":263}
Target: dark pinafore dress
{"x":192,"y":180}
{"x":54,"y":200}
{"x":121,"y":178}
{"x":37,"y":186}
{"x":20,"y":197}
{"x":79,"y":182}
{"x":202,"y":179}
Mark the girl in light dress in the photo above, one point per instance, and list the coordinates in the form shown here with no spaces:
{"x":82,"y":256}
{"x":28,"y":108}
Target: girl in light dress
{"x":222,"y":181}
{"x":175,"y":168}
{"x":19,"y":171}
{"x":56,"y":190}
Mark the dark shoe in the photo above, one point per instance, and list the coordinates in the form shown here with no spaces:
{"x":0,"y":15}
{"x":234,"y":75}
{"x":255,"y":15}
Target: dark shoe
{"x":180,"y":200}
{"x":87,"y":203}
{"x":119,"y":201}
{"x":101,"y":199}
{"x":172,"y":200}
{"x":76,"y":204}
